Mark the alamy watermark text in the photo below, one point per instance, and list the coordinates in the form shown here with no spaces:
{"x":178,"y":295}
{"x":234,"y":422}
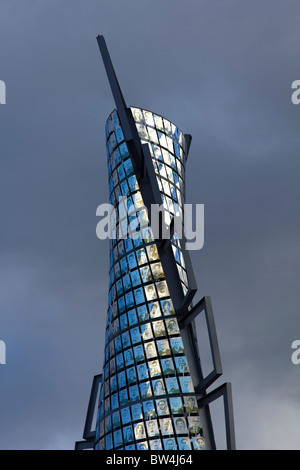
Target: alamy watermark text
{"x":132,"y":220}
{"x":296,"y":94}
{"x":2,"y":352}
{"x":2,"y":92}
{"x":296,"y":354}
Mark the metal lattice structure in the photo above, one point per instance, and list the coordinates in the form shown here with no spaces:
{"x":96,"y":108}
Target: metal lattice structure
{"x":153,"y":395}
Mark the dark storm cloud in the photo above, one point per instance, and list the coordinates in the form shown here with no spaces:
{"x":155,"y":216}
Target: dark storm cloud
{"x":221,"y":71}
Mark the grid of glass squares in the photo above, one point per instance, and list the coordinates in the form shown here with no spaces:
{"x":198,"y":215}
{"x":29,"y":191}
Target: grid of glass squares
{"x":147,"y":399}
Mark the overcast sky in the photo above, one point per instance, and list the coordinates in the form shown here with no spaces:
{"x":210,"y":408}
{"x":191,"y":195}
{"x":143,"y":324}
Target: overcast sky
{"x":222,"y":71}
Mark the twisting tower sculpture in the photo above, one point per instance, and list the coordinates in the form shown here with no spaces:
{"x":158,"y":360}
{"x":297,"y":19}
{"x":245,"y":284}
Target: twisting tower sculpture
{"x":152,"y":389}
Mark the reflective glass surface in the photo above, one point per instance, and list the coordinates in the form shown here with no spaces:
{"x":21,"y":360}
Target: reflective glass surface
{"x":147,"y":398}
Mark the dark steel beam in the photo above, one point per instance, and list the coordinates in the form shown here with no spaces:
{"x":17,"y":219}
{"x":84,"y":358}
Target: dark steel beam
{"x":204,"y":305}
{"x":88,"y":434}
{"x":188,"y":141}
{"x":224,"y":391}
{"x":125,"y":115}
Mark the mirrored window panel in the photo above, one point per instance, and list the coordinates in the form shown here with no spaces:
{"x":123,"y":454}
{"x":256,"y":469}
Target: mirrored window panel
{"x":176,"y":405}
{"x":149,"y":409}
{"x":128,"y":434}
{"x":162,"y":407}
{"x":170,"y":444}
{"x":155,"y":444}
{"x":136,"y":411}
{"x":139,"y":431}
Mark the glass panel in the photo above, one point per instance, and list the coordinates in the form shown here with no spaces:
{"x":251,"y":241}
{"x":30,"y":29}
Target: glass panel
{"x":133,"y":185}
{"x":115,"y":118}
{"x":146,"y":274}
{"x":162,"y":289}
{"x":131,"y":261}
{"x":184,"y":443}
{"x":154,"y":368}
{"x":135,"y":335}
{"x":180,"y":425}
{"x":147,"y":235}
{"x":124,"y":188}
{"x":128,"y":166}
{"x":145,"y":389}
{"x":195,"y":425}
{"x":121,"y":379}
{"x":163,"y":347}
{"x":150,"y":292}
{"x":142,"y":445}
{"x":152,"y":252}
{"x":139,"y":353}
{"x":152,"y":428}
{"x":119,"y":134}
{"x":172,"y":326}
{"x":118,"y":437}
{"x":170,"y":444}
{"x":159,"y":122}
{"x":113,"y":383}
{"x":149,"y":118}
{"x":156,"y":444}
{"x":142,"y":131}
{"x":152,"y":135}
{"x":128,"y":357}
{"x":166,"y":157}
{"x":137,"y":114}
{"x":146,"y":331}
{"x":124,"y":151}
{"x":159,"y":328}
{"x":169,"y":144}
{"x":141,"y":256}
{"x":166,"y":426}
{"x":123,"y":322}
{"x":139,"y":296}
{"x":126,"y":283}
{"x":125,"y":339}
{"x":123,"y":397}
{"x":108,"y":441}
{"x":142,"y":371}
{"x":176,"y":405}
{"x":150,"y":350}
{"x":128,"y":434}
{"x":131,"y":375}
{"x":132,"y":318}
{"x":138,"y":200}
{"x":168,"y":127}
{"x":198,"y":443}
{"x":120,"y":361}
{"x":177,"y":345}
{"x":186,"y":385}
{"x":136,"y":411}
{"x":116,"y":420}
{"x":143,"y":313}
{"x":157,"y":271}
{"x":134,"y":393}
{"x":158,"y":387}
{"x":114,"y":401}
{"x":168,"y":366}
{"x":149,"y":410}
{"x":172,"y":385}
{"x":139,"y":431}
{"x":154,"y":310}
{"x":162,"y":140}
{"x":162,"y":407}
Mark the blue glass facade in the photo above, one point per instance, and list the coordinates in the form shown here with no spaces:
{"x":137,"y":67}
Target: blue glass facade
{"x":147,"y":398}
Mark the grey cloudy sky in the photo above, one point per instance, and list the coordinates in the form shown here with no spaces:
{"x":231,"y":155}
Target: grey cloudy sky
{"x":222,"y":71}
